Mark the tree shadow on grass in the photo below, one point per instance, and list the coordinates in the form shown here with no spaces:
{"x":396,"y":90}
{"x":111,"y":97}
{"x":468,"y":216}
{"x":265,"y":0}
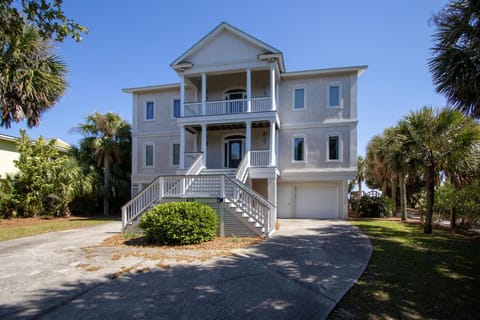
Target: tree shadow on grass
{"x":412,"y":275}
{"x":286,"y":277}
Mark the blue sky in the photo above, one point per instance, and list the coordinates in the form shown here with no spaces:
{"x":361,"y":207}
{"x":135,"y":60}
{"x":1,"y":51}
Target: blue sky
{"x":132,"y":43}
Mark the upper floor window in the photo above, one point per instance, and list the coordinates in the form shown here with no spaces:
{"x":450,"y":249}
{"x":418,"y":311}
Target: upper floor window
{"x":298,"y":149}
{"x":299,"y":98}
{"x":176,"y":108}
{"x":149,"y":155}
{"x":334,"y":95}
{"x":149,"y":110}
{"x":333,"y":148}
{"x":176,"y":154}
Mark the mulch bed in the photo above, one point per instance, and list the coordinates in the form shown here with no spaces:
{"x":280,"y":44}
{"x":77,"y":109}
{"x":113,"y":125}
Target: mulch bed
{"x":220,"y":243}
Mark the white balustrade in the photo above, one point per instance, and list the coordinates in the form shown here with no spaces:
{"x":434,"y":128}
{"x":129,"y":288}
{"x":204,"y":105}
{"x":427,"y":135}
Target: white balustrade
{"x":220,"y":107}
{"x":259,"y":158}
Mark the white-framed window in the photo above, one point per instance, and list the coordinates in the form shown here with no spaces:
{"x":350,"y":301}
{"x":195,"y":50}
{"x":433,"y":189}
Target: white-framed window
{"x":334,"y":95}
{"x":299,"y":98}
{"x":334,"y":147}
{"x":150,"y":110}
{"x":175,"y":154}
{"x":176,"y":108}
{"x":298,"y":149}
{"x":149,"y":155}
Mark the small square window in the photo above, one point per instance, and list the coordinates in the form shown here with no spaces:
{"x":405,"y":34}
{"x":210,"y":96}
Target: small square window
{"x":176,"y":108}
{"x":334,"y":96}
{"x":149,"y":155}
{"x":333,"y":148}
{"x":149,"y":110}
{"x":176,"y":154}
{"x":299,"y":99}
{"x":298,"y":149}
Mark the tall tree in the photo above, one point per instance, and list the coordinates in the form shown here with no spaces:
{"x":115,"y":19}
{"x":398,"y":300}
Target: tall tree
{"x":46,"y":15}
{"x":108,"y":135}
{"x":455,"y":63}
{"x":32,"y":79}
{"x":437,"y":139}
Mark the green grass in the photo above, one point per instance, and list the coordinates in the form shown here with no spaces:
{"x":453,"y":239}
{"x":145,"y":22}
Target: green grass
{"x":415,"y":276}
{"x":14,"y":232}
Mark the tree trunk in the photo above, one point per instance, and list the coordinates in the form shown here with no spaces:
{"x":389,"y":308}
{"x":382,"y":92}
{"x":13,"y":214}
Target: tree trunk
{"x":453,"y":217}
{"x":359,"y":181}
{"x":428,"y":226}
{"x":384,"y":187}
{"x":403,"y":196}
{"x":393,"y":180}
{"x":106,"y":177}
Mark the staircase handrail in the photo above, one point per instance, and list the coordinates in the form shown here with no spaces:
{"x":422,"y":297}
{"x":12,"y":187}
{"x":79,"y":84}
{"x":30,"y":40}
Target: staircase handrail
{"x":142,"y":200}
{"x":196,"y":166}
{"x":241,"y":173}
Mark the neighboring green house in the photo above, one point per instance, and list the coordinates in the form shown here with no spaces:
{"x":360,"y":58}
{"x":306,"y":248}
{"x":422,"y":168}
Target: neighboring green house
{"x":9,"y":153}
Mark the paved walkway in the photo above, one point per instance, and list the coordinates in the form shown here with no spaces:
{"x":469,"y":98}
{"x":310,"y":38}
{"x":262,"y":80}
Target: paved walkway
{"x":300,"y":273}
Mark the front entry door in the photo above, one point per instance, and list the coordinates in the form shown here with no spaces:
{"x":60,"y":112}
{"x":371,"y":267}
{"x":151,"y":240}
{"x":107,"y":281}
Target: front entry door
{"x":234,"y":153}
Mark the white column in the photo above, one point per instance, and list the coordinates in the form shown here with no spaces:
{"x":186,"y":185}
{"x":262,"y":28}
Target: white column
{"x":249,"y":90}
{"x":195,"y":142}
{"x":273,"y":155}
{"x":248,"y":136}
{"x":204,"y":144}
{"x":182,"y":95}
{"x":204,"y":93}
{"x":273,"y":87}
{"x":182,"y":147}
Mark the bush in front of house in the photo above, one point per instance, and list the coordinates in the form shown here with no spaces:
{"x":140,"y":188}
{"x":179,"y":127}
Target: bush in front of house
{"x":179,"y":223}
{"x":375,"y":207}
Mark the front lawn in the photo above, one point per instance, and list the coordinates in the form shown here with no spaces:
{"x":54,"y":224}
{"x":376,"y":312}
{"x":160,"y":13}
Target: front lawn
{"x":415,"y":276}
{"x":24,"y":227}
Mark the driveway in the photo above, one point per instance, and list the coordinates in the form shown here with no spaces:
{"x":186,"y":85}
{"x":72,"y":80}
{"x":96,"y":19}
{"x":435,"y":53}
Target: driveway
{"x":300,"y":273}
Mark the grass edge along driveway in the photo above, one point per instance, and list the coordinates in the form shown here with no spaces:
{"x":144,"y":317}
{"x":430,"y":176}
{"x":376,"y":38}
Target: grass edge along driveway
{"x":415,"y":276}
{"x":24,"y":227}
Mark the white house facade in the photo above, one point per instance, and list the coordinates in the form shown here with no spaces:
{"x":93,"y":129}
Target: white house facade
{"x":242,"y":134}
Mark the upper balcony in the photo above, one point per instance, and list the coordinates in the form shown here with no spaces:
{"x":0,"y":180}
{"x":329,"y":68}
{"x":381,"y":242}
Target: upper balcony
{"x":227,"y":107}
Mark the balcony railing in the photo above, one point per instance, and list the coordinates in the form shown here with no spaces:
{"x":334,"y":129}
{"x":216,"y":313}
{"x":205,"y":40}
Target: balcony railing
{"x":222,"y":107}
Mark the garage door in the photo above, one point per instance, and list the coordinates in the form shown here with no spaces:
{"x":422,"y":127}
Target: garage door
{"x":316,"y":202}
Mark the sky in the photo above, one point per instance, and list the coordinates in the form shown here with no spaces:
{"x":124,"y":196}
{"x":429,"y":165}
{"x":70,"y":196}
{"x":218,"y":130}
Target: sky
{"x":132,"y":43}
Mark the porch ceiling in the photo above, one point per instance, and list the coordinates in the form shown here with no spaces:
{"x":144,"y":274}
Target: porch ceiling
{"x":227,"y":126}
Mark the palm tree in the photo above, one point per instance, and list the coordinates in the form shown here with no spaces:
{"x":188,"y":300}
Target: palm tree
{"x":108,"y":135}
{"x":32,"y":79}
{"x":437,"y":139}
{"x":376,"y":170}
{"x":456,"y":51}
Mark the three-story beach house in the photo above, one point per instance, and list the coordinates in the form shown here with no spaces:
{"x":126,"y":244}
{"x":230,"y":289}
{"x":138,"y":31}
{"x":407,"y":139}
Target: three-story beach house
{"x":240,"y":133}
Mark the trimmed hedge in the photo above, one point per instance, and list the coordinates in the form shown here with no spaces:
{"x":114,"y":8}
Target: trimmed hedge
{"x":179,"y":223}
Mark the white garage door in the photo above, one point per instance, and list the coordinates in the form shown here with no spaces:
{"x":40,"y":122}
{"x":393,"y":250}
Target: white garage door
{"x":316,"y":202}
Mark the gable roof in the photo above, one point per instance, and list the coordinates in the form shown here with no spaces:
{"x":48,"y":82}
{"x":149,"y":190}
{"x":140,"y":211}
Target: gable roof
{"x":226,"y":26}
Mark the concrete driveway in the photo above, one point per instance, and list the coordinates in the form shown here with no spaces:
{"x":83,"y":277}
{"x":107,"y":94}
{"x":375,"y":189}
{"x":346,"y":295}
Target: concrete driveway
{"x":300,"y":273}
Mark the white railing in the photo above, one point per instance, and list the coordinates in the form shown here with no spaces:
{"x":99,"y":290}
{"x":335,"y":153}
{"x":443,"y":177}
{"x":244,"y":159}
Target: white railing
{"x":261,"y":104}
{"x":241,"y":173}
{"x":190,"y":158}
{"x":192,"y":109}
{"x":220,"y":107}
{"x":223,"y":187}
{"x":259,"y":158}
{"x":143,"y":200}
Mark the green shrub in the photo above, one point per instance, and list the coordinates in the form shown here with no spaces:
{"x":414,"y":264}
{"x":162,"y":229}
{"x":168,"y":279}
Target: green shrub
{"x":374,"y":207}
{"x":179,"y":223}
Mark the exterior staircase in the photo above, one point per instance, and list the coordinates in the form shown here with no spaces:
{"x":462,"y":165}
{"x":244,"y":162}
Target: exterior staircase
{"x":235,"y":203}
